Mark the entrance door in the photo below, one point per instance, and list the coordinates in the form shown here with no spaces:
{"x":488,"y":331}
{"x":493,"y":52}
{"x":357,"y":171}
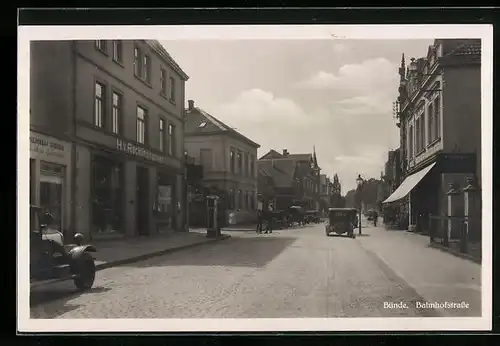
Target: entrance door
{"x":142,"y":201}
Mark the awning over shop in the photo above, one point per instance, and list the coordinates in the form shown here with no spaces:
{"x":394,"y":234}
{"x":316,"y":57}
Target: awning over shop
{"x":408,"y":184}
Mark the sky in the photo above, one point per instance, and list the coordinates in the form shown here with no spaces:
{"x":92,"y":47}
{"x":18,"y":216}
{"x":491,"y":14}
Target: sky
{"x":332,"y":95}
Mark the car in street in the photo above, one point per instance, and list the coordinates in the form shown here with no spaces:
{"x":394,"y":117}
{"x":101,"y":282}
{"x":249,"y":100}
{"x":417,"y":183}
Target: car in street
{"x":51,"y":260}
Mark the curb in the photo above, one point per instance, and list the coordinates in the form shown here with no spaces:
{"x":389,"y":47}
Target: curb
{"x":146,"y":256}
{"x":456,"y":253}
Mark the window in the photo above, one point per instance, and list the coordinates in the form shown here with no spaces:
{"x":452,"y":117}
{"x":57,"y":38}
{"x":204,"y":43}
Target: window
{"x":100,"y":45}
{"x":418,"y":136}
{"x":430,"y":124}
{"x":252,"y":172}
{"x":437,"y":117}
{"x":252,"y":201}
{"x":231,"y":161}
{"x":422,"y":131}
{"x":141,"y":125}
{"x":203,"y":124}
{"x":172,"y":89}
{"x":246,"y":166}
{"x":116,"y":112}
{"x":410,"y":142}
{"x":163,"y":81}
{"x":244,"y":205}
{"x":137,"y":62}
{"x":117,"y":50}
{"x":162,"y":135}
{"x":240,"y":162}
{"x":147,"y":68}
{"x":238,"y":199}
{"x":171,"y":139}
{"x":99,"y":106}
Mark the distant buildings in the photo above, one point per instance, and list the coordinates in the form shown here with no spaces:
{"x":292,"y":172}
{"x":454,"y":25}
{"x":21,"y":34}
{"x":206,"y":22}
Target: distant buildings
{"x":440,"y":127}
{"x":295,"y":177}
{"x":228,"y":159}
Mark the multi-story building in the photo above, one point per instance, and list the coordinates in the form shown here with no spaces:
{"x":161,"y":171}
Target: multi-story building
{"x":296,"y":178}
{"x":228,"y":159}
{"x":440,"y":123}
{"x":120,"y":105}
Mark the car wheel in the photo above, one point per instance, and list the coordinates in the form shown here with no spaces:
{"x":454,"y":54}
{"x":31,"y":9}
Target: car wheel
{"x":86,"y":272}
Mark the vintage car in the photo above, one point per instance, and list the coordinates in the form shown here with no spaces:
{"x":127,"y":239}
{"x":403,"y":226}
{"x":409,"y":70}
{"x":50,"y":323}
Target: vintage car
{"x":51,"y":260}
{"x":312,"y":216}
{"x":341,"y":221}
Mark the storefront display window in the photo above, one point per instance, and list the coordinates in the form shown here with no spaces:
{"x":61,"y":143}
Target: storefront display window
{"x":107,"y":196}
{"x":164,"y":205}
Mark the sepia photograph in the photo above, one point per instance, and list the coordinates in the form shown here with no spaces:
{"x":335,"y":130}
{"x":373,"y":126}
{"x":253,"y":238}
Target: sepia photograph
{"x":215,"y":178}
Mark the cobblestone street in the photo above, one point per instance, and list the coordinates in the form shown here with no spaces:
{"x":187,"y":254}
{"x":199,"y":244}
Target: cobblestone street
{"x":289,"y":273}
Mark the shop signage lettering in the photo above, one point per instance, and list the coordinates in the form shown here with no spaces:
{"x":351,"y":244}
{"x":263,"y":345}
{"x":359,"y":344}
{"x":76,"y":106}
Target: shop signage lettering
{"x":135,"y":150}
{"x":46,"y":146}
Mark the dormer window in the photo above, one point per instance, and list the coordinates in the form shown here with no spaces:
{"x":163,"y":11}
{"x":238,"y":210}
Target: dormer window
{"x":203,"y":124}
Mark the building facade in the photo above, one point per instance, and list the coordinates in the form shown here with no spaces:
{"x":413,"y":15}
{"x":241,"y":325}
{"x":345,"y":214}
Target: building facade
{"x":228,"y":159}
{"x":296,"y":178}
{"x":125,"y":116}
{"x":440,"y":124}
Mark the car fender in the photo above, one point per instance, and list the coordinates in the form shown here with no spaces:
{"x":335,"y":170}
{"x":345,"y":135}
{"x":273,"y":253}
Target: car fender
{"x":78,"y":251}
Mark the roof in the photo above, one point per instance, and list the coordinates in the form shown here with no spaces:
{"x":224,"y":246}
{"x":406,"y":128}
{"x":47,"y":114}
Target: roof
{"x":282,"y":171}
{"x":158,"y":48}
{"x":199,"y":122}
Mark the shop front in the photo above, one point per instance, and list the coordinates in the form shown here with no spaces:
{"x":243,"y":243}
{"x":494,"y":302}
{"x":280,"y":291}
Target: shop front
{"x":425,"y":187}
{"x":50,"y":177}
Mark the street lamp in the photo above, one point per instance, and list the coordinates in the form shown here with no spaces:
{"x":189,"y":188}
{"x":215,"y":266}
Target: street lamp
{"x":359,"y":182}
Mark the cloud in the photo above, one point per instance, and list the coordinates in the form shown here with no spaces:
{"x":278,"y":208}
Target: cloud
{"x":370,"y":75}
{"x":345,"y":144}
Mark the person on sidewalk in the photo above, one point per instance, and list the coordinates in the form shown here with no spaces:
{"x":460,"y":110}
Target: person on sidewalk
{"x":269,"y":219}
{"x":259,"y":221}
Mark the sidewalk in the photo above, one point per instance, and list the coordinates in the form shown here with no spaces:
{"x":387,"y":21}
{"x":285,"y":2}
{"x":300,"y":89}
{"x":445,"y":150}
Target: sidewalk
{"x":111,"y":253}
{"x":437,"y":276}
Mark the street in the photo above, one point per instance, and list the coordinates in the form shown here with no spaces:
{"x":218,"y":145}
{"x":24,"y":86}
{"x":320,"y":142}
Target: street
{"x":289,"y":273}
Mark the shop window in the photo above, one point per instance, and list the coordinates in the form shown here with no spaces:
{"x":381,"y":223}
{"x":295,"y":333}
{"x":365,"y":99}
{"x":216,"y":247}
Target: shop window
{"x":51,"y":192}
{"x":107,"y":196}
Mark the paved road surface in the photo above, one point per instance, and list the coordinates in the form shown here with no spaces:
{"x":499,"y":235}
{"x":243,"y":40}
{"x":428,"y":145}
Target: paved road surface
{"x":290,"y":273}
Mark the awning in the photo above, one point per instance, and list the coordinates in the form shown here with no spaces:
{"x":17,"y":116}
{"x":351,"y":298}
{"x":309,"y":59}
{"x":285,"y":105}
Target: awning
{"x":408,"y":184}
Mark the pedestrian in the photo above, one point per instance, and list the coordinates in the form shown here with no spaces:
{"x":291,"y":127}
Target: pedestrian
{"x":269,"y":223}
{"x":259,"y":221}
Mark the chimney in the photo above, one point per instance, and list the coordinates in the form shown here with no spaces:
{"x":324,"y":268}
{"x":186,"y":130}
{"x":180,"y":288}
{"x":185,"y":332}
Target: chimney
{"x":285,"y":152}
{"x":190,"y":105}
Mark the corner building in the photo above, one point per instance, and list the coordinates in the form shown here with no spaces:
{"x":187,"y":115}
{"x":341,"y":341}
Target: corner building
{"x":117,"y":126}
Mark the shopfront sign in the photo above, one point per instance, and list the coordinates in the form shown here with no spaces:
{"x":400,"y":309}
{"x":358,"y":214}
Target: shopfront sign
{"x":47,"y":147}
{"x":136,"y":150}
